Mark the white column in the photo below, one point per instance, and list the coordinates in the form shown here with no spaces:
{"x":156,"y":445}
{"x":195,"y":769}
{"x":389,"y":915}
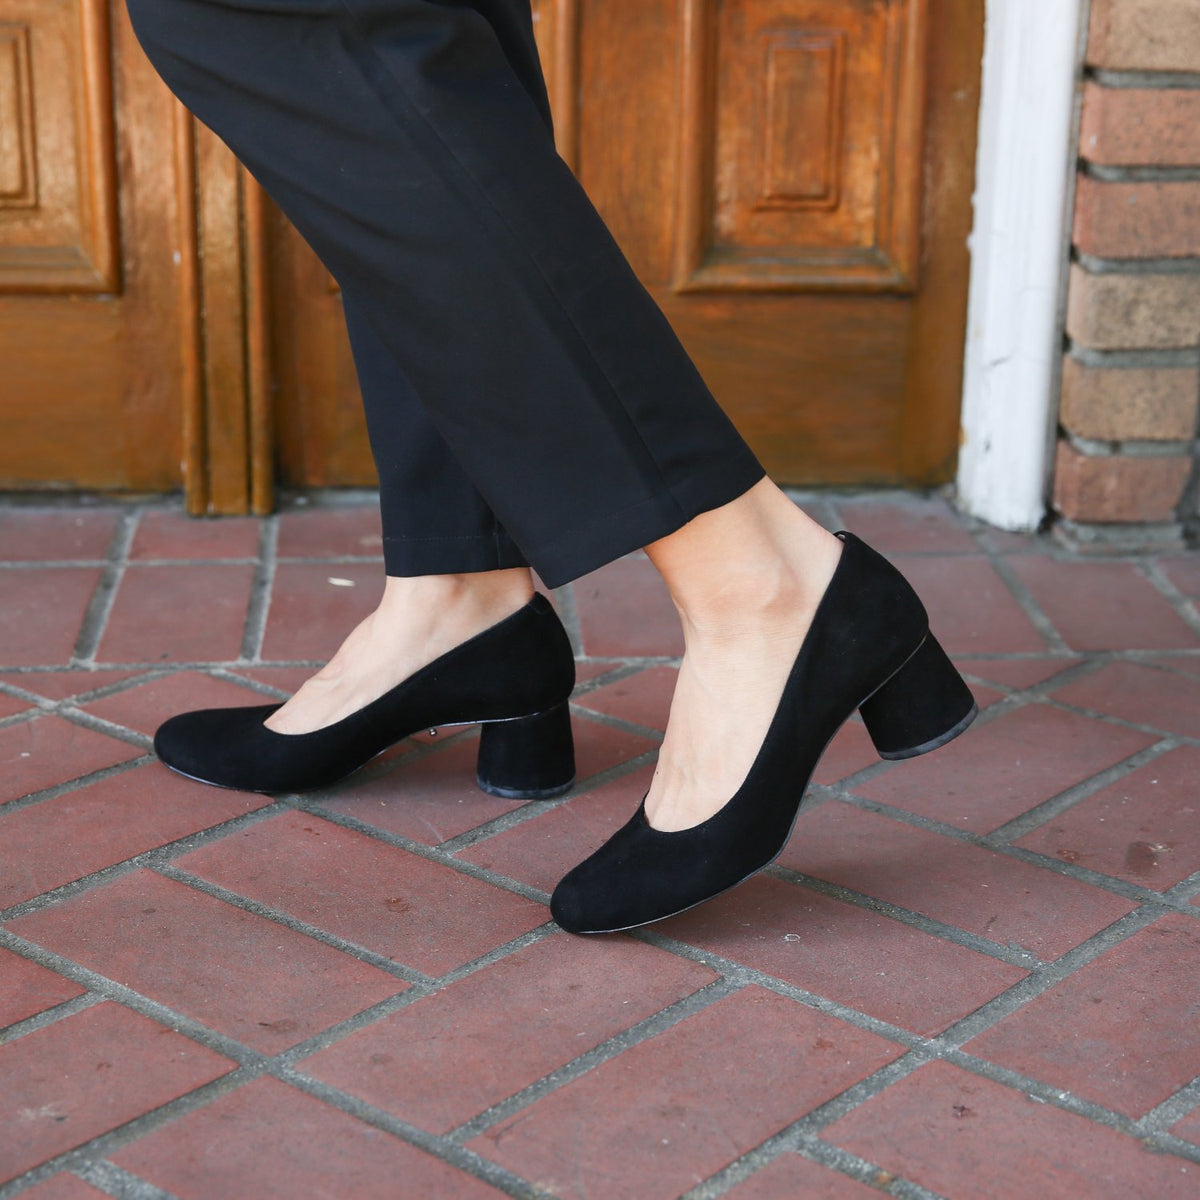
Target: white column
{"x":1024,"y":175}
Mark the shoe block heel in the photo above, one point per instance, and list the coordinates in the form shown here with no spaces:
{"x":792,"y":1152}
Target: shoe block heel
{"x":922,"y":706}
{"x":528,"y":758}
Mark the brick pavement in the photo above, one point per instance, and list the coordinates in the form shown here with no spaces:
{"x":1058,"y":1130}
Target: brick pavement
{"x":972,"y":975}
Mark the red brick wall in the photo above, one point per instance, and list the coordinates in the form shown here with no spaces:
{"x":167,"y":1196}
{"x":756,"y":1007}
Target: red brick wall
{"x":1131,"y":377}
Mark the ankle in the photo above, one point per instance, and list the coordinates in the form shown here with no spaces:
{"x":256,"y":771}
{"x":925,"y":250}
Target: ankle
{"x":744,"y":596}
{"x":482,"y":592}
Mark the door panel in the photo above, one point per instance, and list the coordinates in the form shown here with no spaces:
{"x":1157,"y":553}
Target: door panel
{"x":89,"y":303}
{"x":800,"y":133}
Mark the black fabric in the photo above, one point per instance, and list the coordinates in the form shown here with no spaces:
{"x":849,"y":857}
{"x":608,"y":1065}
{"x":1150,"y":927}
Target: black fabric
{"x":403,"y":143}
{"x":866,"y":627}
{"x":519,"y":667}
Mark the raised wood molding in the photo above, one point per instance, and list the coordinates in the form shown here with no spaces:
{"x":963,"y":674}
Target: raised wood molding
{"x":58,"y":177}
{"x":800,"y":144}
{"x":228,"y":453}
{"x":18,"y":162}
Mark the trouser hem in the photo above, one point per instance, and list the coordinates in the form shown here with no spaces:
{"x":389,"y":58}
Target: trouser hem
{"x":450,"y":555}
{"x":611,"y":535}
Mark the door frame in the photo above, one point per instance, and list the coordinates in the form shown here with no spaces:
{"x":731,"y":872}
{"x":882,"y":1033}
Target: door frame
{"x":1020,"y":248}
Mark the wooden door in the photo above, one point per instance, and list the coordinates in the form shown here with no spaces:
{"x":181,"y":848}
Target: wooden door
{"x":790,"y":178}
{"x":88,"y":303}
{"x":132,"y":275}
{"x":792,"y":181}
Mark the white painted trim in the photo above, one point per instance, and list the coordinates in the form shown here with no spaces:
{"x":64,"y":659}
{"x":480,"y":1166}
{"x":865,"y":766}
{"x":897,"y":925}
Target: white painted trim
{"x":1023,"y":183}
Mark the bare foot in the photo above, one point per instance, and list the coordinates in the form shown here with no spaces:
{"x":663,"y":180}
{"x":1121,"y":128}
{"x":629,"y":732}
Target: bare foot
{"x":747,"y":588}
{"x":418,"y":619}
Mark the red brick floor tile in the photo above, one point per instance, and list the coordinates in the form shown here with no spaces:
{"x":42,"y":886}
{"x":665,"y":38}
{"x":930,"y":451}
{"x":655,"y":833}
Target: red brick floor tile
{"x":238,"y":973}
{"x":1103,"y":606}
{"x":26,"y":988}
{"x":434,"y":798}
{"x":269,"y":1140}
{"x":88,"y":1073}
{"x":850,"y":750}
{"x":181,"y":614}
{"x":790,"y":1177}
{"x":47,"y":750}
{"x":999,"y":770}
{"x":962,"y":1136}
{"x":430,"y":799}
{"x":859,"y":958}
{"x":397,"y":904}
{"x":1121,"y":1031}
{"x":42,"y":535}
{"x":908,"y":526}
{"x":11,"y":705}
{"x":309,"y":616}
{"x":148,"y":705}
{"x":331,"y":533}
{"x":1184,"y":572}
{"x":670,"y":1111}
{"x":51,"y":843}
{"x":644,"y":698}
{"x":1141,"y":828}
{"x":63,"y":1187}
{"x":176,"y":535}
{"x":989,"y":894}
{"x":43,"y":611}
{"x":971,"y":610}
{"x":541,"y":851}
{"x":1016,"y":672}
{"x":625,"y":610}
{"x":449,"y":1056}
{"x":1143,"y":695}
{"x":62,"y":685}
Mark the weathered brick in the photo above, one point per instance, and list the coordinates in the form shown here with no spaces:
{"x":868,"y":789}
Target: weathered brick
{"x":1122,"y":312}
{"x":1116,"y":404}
{"x":1155,"y":219}
{"x":1147,"y":35}
{"x":1117,"y":487}
{"x":1140,"y":126}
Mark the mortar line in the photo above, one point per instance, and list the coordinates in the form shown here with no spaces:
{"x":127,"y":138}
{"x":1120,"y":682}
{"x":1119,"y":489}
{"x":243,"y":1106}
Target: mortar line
{"x":467,"y":1161}
{"x":258,"y":607}
{"x":1024,"y":959}
{"x":597,"y":1056}
{"x":99,"y":608}
{"x":145,"y":859}
{"x":117,"y":1182}
{"x":1183,"y":605}
{"x":1028,"y":603}
{"x":355,"y":950}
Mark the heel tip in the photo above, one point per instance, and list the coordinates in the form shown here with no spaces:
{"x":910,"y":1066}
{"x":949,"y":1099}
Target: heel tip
{"x":550,"y":793}
{"x":934,"y":743}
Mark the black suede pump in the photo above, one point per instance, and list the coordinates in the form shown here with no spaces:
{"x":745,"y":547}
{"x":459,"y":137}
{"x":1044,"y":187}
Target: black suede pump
{"x":515,"y":678}
{"x":869,"y":647}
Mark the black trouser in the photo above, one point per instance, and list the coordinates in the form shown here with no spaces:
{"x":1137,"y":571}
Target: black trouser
{"x":526,"y":399}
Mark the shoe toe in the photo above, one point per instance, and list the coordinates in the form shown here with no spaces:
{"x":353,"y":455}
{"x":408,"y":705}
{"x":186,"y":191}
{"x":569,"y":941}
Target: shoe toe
{"x":213,"y":744}
{"x":569,"y":906}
